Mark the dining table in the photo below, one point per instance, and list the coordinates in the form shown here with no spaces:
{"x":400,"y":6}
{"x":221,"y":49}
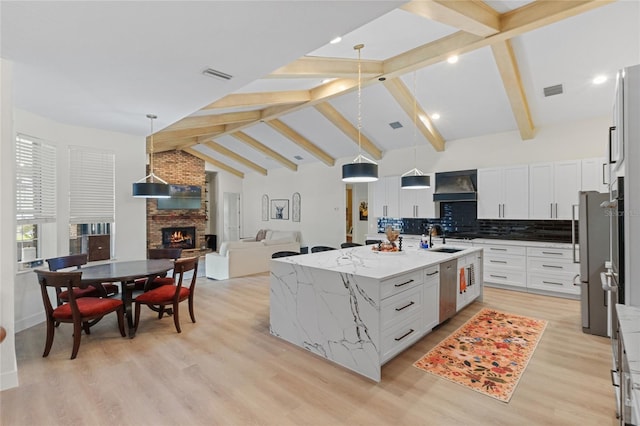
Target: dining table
{"x":125,"y":272}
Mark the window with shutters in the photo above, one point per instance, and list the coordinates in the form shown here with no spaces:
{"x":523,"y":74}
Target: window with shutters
{"x":91,"y":197}
{"x":35,"y":195}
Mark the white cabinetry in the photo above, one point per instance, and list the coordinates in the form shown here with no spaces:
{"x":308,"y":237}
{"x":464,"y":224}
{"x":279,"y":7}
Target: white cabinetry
{"x":468,"y":287}
{"x":503,"y":193}
{"x":505,"y":265}
{"x":553,"y":189}
{"x":595,"y":175}
{"x":431,"y":297}
{"x":386,"y":197}
{"x":416,"y":203}
{"x":552,"y":270}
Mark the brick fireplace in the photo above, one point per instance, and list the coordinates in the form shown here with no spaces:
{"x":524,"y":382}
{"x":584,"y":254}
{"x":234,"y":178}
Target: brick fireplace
{"x":179,"y":168}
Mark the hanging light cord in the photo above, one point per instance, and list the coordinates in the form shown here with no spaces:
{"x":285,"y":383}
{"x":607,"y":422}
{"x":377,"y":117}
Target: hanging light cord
{"x":415,"y":123}
{"x":151,"y":175}
{"x":359,"y":47}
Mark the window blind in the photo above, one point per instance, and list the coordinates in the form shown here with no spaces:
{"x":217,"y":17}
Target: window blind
{"x":92,"y":194}
{"x":35,"y":180}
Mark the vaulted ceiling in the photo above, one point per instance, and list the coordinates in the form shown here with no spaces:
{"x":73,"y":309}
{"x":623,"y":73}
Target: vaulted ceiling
{"x":285,"y":106}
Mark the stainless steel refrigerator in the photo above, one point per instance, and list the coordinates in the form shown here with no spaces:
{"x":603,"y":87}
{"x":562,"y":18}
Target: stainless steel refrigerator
{"x":593,"y":241}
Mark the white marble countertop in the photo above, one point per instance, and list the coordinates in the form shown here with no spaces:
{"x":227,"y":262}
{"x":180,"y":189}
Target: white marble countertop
{"x":629,"y":319}
{"x":364,"y":261}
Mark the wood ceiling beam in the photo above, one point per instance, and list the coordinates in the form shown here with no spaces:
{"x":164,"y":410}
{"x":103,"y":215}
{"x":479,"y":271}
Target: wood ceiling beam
{"x":408,"y":102}
{"x":214,"y":162}
{"x":243,"y":100}
{"x":232,"y":155}
{"x":517,"y":22}
{"x":255,"y":144}
{"x":508,"y":67}
{"x":173,"y":144}
{"x":212,"y":120}
{"x":471,"y":16}
{"x":338,"y":120}
{"x":301,"y":141}
{"x":171,"y":135}
{"x":317,"y":67}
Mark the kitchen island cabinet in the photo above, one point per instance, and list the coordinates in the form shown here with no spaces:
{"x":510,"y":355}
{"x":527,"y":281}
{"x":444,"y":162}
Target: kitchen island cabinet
{"x":357,"y":307}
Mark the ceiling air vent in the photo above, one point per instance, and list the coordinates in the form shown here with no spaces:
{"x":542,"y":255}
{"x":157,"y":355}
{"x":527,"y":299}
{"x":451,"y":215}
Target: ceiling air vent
{"x":297,"y":157}
{"x":395,"y":125}
{"x":553,"y":90}
{"x":217,"y":74}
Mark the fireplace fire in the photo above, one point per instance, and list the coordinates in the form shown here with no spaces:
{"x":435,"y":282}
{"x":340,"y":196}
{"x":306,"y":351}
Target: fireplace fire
{"x":184,"y":237}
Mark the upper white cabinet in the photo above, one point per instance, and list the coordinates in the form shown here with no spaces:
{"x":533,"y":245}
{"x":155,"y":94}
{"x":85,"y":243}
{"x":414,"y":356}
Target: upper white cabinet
{"x":595,"y":174}
{"x":417,"y":203}
{"x":553,"y":189}
{"x":503,"y":193}
{"x":386,"y":201}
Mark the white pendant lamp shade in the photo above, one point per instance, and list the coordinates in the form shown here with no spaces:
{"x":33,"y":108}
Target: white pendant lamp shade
{"x":151,"y":186}
{"x":361,"y":169}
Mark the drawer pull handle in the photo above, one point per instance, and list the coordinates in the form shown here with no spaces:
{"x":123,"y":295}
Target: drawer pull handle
{"x":498,"y":261}
{"x":555,"y":253}
{"x":499,"y":249}
{"x":431,"y":274}
{"x":404,"y":283}
{"x":498,"y":276}
{"x":551,"y":282}
{"x":552,"y":266}
{"x":397,"y":339}
{"x":405,"y":306}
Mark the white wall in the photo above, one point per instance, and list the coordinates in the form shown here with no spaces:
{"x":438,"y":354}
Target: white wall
{"x":225,"y":182}
{"x":323,"y":192}
{"x":130,"y":226}
{"x":8,"y":366}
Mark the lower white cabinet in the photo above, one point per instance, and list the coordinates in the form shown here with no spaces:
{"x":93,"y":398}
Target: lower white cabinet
{"x":468,"y":288}
{"x":431,"y":297}
{"x":505,"y":265}
{"x":552,"y":270}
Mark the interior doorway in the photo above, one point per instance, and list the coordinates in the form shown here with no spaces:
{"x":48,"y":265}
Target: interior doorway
{"x":349,"y":218}
{"x":357,"y":212}
{"x":231,"y":216}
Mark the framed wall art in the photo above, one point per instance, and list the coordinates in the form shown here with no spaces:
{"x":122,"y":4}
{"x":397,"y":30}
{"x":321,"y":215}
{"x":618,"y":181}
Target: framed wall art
{"x":280,"y":209}
{"x":265,"y":207}
{"x":295,"y":208}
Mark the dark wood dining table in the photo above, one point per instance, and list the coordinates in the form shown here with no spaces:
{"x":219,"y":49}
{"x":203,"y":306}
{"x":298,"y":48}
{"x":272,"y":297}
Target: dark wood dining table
{"x":126,"y":273}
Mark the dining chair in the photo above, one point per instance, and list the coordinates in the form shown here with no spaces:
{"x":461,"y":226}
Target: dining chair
{"x":77,"y":260}
{"x":284,"y":254}
{"x":347,"y":245}
{"x":171,"y":295}
{"x":317,"y":249}
{"x":78,"y":311}
{"x":159,"y":253}
{"x":369,"y":242}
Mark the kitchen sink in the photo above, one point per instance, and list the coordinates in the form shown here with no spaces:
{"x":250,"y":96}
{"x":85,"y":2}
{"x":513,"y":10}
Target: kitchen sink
{"x":447,"y":250}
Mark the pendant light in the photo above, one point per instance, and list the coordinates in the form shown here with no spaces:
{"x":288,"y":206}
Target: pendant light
{"x":151,"y":186}
{"x":362,"y":169}
{"x":414,"y":178}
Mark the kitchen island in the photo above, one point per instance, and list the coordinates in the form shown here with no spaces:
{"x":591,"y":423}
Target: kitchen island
{"x":360,"y":308}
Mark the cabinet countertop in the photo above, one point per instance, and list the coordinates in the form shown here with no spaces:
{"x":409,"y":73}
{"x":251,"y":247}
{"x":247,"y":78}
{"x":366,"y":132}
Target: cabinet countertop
{"x":453,"y":240}
{"x":365,"y":262}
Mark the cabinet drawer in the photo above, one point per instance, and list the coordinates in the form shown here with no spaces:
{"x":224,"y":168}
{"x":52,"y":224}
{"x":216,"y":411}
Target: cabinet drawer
{"x":510,"y":250}
{"x":505,"y":277}
{"x":397,"y":284}
{"x":551,"y":266}
{"x":550,"y":253}
{"x":399,"y":307}
{"x":397,"y":338}
{"x":432,"y":273}
{"x":562,"y":283}
{"x":494,"y":261}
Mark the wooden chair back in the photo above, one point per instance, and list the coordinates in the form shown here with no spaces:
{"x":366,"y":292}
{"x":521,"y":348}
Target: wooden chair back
{"x":185,"y":265}
{"x":62,"y":262}
{"x":60,"y":281}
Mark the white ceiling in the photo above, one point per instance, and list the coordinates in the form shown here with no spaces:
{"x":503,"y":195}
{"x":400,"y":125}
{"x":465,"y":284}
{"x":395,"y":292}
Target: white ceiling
{"x":107,"y":64}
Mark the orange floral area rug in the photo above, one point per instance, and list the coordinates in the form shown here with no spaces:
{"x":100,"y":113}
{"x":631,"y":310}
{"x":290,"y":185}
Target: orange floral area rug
{"x":487,"y":354}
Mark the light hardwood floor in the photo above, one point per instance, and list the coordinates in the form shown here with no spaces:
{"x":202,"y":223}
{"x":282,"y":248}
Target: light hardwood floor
{"x":228,"y":370}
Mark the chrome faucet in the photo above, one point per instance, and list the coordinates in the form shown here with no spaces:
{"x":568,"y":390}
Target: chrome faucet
{"x":436,"y":226}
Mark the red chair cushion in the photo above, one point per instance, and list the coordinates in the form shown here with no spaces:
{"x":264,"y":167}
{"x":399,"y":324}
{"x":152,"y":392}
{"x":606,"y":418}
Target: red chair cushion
{"x":162,"y":294}
{"x":88,"y":306}
{"x":80,"y":292}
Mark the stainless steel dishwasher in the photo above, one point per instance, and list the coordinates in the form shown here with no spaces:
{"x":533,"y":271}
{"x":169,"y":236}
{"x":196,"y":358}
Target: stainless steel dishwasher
{"x":448,"y":294}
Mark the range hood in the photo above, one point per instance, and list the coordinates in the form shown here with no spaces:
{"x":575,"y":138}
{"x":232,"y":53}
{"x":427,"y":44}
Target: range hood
{"x":456,"y":186}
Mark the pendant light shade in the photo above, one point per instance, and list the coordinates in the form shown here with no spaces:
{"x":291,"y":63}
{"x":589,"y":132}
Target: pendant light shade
{"x":151,"y":186}
{"x":415,"y":180}
{"x":362,"y":169}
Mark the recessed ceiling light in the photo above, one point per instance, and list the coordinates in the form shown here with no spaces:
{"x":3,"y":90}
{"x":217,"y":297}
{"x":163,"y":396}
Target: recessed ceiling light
{"x":336,"y":40}
{"x":435,"y":116}
{"x":452,"y":59}
{"x":599,"y":79}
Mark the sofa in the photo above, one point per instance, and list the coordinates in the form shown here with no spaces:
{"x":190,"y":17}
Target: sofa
{"x":249,"y":256}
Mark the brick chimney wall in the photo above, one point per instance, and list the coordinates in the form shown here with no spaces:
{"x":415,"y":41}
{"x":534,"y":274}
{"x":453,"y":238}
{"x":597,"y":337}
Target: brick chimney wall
{"x":179,"y":168}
